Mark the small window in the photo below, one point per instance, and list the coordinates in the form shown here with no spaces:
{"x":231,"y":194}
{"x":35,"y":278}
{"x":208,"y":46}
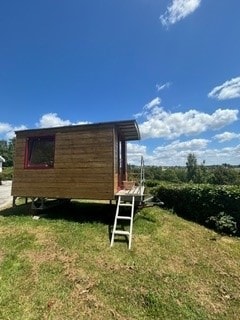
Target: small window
{"x":40,"y":152}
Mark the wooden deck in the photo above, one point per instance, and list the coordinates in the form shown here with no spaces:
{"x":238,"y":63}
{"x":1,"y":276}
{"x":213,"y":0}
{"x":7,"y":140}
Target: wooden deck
{"x":137,"y":191}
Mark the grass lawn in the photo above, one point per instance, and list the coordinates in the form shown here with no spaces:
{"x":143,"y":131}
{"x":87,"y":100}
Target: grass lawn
{"x":62,"y":267}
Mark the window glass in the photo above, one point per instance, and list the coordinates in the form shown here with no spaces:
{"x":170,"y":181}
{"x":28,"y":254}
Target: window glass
{"x":40,"y":152}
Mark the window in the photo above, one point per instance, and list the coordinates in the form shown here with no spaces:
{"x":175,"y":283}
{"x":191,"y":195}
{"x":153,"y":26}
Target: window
{"x":40,"y":152}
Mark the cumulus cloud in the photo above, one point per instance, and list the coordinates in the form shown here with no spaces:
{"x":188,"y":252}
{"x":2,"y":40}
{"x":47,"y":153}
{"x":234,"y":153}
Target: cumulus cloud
{"x":52,"y":120}
{"x":189,"y":146}
{"x":225,"y":155}
{"x":178,"y":10}
{"x":7,"y":131}
{"x":5,"y":127}
{"x":227,"y":136}
{"x":49,"y":120}
{"x":176,"y":152}
{"x":11,"y":134}
{"x":136,"y":149}
{"x":228,"y":90}
{"x":162,"y":124}
{"x":134,"y":153}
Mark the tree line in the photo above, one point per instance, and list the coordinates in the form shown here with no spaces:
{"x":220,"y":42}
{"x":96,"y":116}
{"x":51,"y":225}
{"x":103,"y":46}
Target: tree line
{"x":193,"y":172}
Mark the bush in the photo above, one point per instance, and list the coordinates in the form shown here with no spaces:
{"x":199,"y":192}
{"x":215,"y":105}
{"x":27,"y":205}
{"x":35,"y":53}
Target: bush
{"x":200,"y":202}
{"x":223,"y":223}
{"x":7,"y":173}
{"x":151,"y":183}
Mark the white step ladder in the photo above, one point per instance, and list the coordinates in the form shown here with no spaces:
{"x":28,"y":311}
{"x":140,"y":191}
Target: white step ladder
{"x":116,"y":231}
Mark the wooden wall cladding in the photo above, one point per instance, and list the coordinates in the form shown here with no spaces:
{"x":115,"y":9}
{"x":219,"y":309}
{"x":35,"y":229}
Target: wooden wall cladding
{"x":83,"y":166}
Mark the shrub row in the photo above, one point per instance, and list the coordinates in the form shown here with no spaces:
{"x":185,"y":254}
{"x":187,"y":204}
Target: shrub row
{"x":7,"y":173}
{"x":214,"y":206}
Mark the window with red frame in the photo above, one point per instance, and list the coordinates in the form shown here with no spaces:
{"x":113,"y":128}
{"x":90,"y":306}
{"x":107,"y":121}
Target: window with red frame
{"x":40,"y":152}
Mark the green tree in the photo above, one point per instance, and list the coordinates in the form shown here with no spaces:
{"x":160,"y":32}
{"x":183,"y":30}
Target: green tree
{"x":192,"y":167}
{"x":170,"y":175}
{"x":7,"y":151}
{"x":225,"y":175}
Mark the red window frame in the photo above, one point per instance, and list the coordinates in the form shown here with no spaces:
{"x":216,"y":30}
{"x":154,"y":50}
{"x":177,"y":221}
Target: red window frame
{"x":35,"y":158}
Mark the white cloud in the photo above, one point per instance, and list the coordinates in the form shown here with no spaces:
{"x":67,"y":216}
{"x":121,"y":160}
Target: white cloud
{"x":52,"y":120}
{"x":7,"y":131}
{"x":49,"y":120}
{"x":160,"y":87}
{"x":229,"y":155}
{"x":178,"y":10}
{"x":136,"y":149}
{"x":5,"y":127}
{"x":134,"y":153}
{"x":189,"y":146}
{"x":152,"y":105}
{"x":227,"y":136}
{"x":175,"y":154}
{"x":162,"y":124}
{"x":11,"y":134}
{"x":228,"y":90}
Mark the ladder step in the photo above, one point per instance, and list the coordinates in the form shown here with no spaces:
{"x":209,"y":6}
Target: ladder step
{"x":124,"y":217}
{"x":125,"y":204}
{"x":123,"y":232}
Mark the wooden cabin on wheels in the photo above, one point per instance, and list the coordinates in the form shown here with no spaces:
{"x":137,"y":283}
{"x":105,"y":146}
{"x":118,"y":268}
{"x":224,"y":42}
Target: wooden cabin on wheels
{"x":73,"y":162}
{"x":78,"y":162}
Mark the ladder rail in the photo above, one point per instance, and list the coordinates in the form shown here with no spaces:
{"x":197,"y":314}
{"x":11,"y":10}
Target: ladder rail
{"x":142,"y":176}
{"x":142,"y":172}
{"x":115,"y":221}
{"x":118,"y":217}
{"x":131,"y":224}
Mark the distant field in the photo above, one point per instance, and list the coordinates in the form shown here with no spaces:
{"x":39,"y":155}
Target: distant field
{"x":62,"y":267}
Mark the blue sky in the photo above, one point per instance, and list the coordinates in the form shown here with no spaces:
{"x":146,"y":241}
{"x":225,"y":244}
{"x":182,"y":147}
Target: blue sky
{"x":173,"y":65}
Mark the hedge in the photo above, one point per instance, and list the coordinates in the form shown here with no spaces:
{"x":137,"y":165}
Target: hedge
{"x":214,"y":206}
{"x":7,"y":173}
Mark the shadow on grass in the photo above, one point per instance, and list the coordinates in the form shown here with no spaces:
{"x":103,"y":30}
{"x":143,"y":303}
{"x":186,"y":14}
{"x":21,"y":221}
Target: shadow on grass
{"x":73,"y":211}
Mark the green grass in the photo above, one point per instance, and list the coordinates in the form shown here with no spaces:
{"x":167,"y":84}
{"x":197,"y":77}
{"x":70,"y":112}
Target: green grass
{"x":62,"y":267}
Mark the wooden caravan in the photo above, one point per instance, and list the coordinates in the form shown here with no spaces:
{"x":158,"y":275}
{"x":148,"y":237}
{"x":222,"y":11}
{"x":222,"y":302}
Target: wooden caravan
{"x":72,"y":162}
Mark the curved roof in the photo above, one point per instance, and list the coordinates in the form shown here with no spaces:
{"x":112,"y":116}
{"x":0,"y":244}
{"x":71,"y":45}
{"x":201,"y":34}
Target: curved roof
{"x":129,"y":130}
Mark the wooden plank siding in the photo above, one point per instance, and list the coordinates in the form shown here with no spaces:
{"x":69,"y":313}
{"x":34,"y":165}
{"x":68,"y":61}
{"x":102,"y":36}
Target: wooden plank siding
{"x":84,"y":165}
{"x":116,"y":162}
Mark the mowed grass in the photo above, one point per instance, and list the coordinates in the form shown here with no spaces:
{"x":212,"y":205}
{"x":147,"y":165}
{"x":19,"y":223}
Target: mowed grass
{"x":62,"y":267}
